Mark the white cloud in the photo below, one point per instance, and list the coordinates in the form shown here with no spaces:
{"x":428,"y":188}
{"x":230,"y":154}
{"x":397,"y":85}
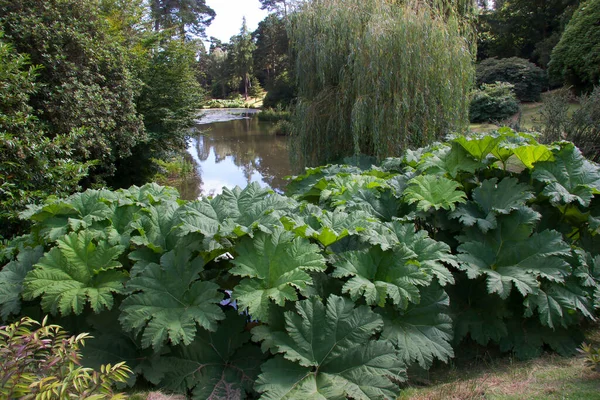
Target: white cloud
{"x":230,"y":13}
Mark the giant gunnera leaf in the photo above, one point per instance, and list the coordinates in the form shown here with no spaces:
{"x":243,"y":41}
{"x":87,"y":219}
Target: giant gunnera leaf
{"x":490,"y":199}
{"x":570,"y":178}
{"x":376,"y":275}
{"x":327,"y":227}
{"x":328,"y":352}
{"x":235,"y":212}
{"x":273,"y":266}
{"x":168,"y":301}
{"x":11,"y":280}
{"x":221,"y":365}
{"x":431,"y":256}
{"x":434,"y":191}
{"x":423,"y":331}
{"x":78,"y":271}
{"x":512,"y":254}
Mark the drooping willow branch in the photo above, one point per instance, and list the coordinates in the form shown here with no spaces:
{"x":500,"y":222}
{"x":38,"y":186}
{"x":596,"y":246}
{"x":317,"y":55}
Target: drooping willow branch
{"x":376,"y":77}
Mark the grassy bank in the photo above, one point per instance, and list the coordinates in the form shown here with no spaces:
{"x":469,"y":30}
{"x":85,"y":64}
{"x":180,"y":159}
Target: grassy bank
{"x":503,"y":378}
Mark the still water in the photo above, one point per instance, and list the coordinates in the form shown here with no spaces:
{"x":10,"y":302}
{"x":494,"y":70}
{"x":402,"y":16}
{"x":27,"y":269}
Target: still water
{"x":233,"y":148}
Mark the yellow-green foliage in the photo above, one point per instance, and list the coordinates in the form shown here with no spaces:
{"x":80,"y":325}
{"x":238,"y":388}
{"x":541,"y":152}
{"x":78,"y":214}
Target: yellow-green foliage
{"x":41,"y":361}
{"x":592,"y":356}
{"x":376,"y":77}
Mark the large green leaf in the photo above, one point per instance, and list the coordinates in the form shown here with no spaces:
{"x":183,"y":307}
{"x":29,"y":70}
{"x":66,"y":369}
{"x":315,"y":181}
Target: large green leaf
{"x":379,"y":204}
{"x":168,"y":301}
{"x":431,"y":256}
{"x":11,"y":280}
{"x":75,"y":213}
{"x":154,"y":228}
{"x":273,"y":266}
{"x":78,"y":271}
{"x":479,"y":145}
{"x":532,"y":154}
{"x":235,"y":212}
{"x":569,"y":178}
{"x":557,"y":303}
{"x":329,"y":353}
{"x":423,"y":331}
{"x":526,"y":339}
{"x":149,"y":194}
{"x":216,"y":365}
{"x":512,"y":255}
{"x":309,"y":185}
{"x":325,"y":226}
{"x":449,"y":160}
{"x":376,"y":274}
{"x":490,"y":199}
{"x":432,"y":191}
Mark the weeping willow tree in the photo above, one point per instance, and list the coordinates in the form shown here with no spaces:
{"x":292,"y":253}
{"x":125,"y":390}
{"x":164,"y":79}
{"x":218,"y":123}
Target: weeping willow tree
{"x":376,"y":77}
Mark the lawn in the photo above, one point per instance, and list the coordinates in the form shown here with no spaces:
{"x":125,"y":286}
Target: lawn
{"x":486,"y":376}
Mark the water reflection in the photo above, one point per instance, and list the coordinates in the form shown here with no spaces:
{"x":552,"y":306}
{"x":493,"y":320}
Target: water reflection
{"x":230,"y":148}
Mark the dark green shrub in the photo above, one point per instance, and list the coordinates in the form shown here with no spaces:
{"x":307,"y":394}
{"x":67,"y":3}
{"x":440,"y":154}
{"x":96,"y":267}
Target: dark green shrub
{"x":284,"y":128}
{"x":576,"y":57}
{"x":272,"y":115}
{"x":32,"y":166}
{"x":85,"y":83}
{"x":493,"y":102}
{"x":528,"y":79}
{"x":281,"y":93}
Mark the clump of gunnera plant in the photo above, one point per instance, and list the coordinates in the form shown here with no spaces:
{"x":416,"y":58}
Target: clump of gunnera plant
{"x":493,"y":102}
{"x":42,"y":361}
{"x":528,"y":79}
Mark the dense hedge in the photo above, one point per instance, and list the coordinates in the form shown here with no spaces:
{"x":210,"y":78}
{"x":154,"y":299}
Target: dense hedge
{"x":576,"y":57}
{"x":493,"y":102}
{"x":528,"y":79}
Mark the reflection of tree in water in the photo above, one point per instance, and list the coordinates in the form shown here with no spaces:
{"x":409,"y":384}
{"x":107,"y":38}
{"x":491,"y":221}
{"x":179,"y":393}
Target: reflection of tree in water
{"x":189,"y":186}
{"x":251,"y":145}
{"x":202,"y":148}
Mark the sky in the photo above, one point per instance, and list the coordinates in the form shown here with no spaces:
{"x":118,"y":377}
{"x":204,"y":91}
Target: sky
{"x":228,"y":21}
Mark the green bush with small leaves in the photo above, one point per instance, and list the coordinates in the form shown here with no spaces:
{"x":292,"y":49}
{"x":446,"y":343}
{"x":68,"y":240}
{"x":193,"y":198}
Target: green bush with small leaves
{"x":576,"y":58}
{"x":528,"y":79}
{"x":41,"y":361}
{"x":493,"y":102}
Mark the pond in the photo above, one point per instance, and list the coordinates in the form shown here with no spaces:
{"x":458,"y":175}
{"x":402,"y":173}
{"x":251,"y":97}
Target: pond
{"x":231,"y":147}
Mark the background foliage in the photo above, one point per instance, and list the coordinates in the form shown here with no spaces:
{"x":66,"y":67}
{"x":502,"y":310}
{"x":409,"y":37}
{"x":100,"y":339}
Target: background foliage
{"x":576,"y":57}
{"x":528,"y":80}
{"x":32,"y":166}
{"x":493,"y":102}
{"x":84,"y":83}
{"x":581,"y":126}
